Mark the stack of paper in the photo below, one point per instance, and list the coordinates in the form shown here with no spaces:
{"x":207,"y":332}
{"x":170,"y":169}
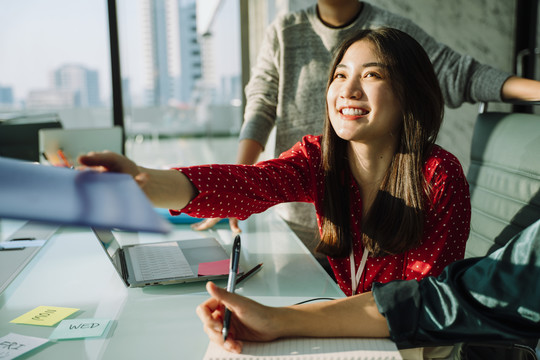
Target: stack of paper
{"x":310,"y":349}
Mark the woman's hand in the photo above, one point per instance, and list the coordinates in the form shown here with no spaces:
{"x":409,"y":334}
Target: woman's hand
{"x":250,"y":321}
{"x":114,"y":162}
{"x":109,"y":161}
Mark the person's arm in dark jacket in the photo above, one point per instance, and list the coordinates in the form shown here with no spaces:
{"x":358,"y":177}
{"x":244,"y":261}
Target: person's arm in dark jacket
{"x":479,"y":299}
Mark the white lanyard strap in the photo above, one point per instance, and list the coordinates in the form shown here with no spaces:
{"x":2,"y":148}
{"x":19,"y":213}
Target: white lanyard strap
{"x":355,"y":280}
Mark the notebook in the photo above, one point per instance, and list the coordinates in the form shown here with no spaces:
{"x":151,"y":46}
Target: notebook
{"x":63,"y":196}
{"x":162,"y":263}
{"x":311,"y":349}
{"x":75,"y":142}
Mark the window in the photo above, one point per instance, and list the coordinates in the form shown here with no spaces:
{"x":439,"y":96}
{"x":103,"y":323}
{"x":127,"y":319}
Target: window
{"x":55,"y":59}
{"x":181,"y":61}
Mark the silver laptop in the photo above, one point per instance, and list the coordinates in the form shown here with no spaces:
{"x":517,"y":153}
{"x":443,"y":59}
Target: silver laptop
{"x":170,"y":262}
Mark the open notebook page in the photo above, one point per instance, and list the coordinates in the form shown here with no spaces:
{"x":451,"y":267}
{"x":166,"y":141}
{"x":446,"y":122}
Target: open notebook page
{"x":311,"y":348}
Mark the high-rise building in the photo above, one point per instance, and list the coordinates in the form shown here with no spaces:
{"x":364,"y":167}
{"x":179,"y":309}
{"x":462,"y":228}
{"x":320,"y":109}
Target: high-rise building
{"x":229,"y":89}
{"x":81,"y":81}
{"x":6,"y":95}
{"x":190,"y":51}
{"x":71,"y":86}
{"x":171,"y":51}
{"x":50,"y":99}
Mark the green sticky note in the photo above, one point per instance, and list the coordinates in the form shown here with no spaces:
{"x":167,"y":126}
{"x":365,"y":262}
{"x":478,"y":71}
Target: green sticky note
{"x":80,"y":328}
{"x":44,"y":315}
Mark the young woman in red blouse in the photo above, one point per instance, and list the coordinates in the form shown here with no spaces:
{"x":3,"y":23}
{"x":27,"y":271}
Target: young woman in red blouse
{"x":390,"y":203}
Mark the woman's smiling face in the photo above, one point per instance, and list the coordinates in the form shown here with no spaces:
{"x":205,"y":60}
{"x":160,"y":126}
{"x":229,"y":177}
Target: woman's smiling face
{"x":361,"y":103}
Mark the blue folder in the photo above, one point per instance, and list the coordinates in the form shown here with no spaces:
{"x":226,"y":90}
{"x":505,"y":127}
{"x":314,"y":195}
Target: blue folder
{"x":30,"y":191}
{"x":182,"y":218}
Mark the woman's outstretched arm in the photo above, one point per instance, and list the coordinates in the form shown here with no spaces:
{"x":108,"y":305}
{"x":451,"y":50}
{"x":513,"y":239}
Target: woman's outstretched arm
{"x":168,"y":189}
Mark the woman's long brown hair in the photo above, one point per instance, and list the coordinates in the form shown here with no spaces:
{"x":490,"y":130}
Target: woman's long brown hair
{"x":394,"y":223}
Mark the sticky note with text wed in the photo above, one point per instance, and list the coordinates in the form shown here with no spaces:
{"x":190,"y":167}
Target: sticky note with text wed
{"x":80,"y":328}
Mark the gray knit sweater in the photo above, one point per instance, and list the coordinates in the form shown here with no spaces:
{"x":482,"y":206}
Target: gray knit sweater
{"x":287,"y":87}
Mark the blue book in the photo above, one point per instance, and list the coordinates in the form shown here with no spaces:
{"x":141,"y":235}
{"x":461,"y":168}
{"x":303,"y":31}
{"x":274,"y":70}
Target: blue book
{"x":182,"y":218}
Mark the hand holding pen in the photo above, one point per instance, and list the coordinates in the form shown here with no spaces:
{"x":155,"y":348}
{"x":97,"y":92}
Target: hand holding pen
{"x":233,"y":270}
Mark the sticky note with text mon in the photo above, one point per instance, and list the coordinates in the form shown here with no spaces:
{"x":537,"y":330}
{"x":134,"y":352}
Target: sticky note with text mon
{"x":44,"y":315}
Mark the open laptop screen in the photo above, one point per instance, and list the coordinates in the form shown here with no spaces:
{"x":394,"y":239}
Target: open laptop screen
{"x":168,"y":262}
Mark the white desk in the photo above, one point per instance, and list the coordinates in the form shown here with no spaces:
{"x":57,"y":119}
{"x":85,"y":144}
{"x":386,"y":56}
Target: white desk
{"x":72,"y":270}
{"x":158,"y":322}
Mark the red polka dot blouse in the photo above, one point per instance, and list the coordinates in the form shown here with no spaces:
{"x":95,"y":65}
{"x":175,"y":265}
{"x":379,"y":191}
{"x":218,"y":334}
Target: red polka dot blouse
{"x":296,"y":176}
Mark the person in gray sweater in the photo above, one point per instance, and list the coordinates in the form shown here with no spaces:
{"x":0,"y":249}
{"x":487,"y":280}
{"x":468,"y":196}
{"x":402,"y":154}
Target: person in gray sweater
{"x":286,"y":89}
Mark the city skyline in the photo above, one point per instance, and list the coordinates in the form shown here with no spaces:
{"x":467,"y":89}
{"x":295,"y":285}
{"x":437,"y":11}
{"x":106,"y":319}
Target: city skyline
{"x":71,"y":85}
{"x":228,"y":87}
{"x":33,"y":55}
{"x":35,"y":41}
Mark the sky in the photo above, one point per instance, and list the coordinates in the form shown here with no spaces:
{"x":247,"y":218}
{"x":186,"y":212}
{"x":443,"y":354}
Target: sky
{"x":38,"y":36}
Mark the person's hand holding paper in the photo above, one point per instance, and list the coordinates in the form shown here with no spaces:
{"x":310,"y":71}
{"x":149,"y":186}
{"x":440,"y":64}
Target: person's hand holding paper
{"x":168,"y":189}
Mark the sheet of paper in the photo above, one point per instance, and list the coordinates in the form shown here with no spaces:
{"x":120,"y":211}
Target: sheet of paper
{"x":13,"y":345}
{"x":44,"y":315}
{"x":80,"y":328}
{"x":214,"y":268}
{"x":311,"y":348}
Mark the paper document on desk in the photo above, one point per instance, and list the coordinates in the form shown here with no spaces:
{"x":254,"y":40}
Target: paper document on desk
{"x":310,"y":349}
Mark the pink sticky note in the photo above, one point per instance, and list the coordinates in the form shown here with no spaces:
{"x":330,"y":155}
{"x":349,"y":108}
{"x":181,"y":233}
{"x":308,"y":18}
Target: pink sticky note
{"x":220,"y":267}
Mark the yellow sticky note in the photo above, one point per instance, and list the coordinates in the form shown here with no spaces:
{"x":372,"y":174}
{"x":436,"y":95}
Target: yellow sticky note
{"x":44,"y":315}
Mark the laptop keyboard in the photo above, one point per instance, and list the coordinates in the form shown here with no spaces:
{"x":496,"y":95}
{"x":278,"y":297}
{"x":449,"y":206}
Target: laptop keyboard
{"x":159,"y":261}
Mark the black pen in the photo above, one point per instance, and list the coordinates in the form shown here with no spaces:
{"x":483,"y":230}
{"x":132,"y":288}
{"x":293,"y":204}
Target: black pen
{"x":249,"y":273}
{"x":233,"y":269}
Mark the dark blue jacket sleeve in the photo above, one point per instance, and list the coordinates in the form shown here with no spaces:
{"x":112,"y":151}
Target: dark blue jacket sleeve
{"x":494,"y":298}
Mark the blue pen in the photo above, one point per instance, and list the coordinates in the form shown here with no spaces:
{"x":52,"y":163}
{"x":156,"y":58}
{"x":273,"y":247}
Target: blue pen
{"x":233,"y":270}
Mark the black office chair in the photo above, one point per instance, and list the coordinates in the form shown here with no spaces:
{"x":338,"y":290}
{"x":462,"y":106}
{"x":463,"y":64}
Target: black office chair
{"x":504,"y":180}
